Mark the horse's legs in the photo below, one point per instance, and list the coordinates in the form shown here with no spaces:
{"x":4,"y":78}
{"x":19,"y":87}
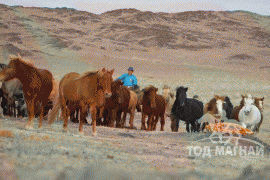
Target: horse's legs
{"x":154,"y":122}
{"x":149,"y":122}
{"x":93,"y":110}
{"x":42,"y":109}
{"x":118,"y":118}
{"x":123,"y":122}
{"x":64,"y":114}
{"x":131,"y":118}
{"x":187,"y":127}
{"x":82,"y":117}
{"x":143,"y":121}
{"x":162,"y":122}
{"x":112,"y":117}
{"x":30,"y":108}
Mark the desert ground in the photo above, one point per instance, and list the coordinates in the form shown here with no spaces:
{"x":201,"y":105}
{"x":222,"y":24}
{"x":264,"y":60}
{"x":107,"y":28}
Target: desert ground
{"x":223,"y":53}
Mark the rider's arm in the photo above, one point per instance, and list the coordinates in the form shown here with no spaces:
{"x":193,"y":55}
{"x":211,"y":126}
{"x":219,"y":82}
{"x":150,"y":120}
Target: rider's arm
{"x":122,"y":77}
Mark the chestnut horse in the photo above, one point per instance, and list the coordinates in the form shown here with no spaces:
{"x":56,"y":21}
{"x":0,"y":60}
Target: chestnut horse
{"x":215,"y":108}
{"x":37,"y":85}
{"x":87,"y":90}
{"x":153,"y":104}
{"x":133,"y":104}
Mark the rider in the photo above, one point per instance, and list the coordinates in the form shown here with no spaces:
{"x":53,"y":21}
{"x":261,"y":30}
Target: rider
{"x":129,"y":79}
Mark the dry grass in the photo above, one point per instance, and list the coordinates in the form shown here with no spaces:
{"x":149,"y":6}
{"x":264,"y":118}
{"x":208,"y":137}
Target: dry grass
{"x":39,"y":139}
{"x":6,"y":133}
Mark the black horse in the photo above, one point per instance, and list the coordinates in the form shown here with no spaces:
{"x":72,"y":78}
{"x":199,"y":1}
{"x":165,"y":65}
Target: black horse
{"x":186,"y":109}
{"x":228,"y":107}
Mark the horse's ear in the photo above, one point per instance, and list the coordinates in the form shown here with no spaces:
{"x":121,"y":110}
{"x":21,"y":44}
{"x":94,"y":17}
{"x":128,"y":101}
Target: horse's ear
{"x":216,"y":97}
{"x":242,"y":96}
{"x":112,"y":71}
{"x":262,"y":99}
{"x":103,"y":70}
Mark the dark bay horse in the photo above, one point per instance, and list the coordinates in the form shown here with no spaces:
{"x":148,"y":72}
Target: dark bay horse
{"x":116,"y":104}
{"x":153,"y":105}
{"x":185,"y":109}
{"x":37,"y":85}
{"x":88,"y":90}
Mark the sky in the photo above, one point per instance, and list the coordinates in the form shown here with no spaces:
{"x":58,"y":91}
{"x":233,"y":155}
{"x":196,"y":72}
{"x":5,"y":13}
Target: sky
{"x":261,"y":7}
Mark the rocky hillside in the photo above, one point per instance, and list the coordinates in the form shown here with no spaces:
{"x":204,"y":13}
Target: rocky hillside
{"x":226,"y":39}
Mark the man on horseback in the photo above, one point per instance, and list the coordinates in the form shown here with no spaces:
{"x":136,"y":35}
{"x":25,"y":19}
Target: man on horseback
{"x":129,"y":79}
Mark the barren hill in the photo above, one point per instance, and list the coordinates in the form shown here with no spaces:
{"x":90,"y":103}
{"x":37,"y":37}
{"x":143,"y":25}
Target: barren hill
{"x":237,"y":41}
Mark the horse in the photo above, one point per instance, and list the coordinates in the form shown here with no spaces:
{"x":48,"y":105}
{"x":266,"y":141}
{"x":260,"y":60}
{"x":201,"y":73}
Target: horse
{"x":116,"y":104}
{"x":215,"y":109}
{"x":228,"y":107}
{"x":169,"y":97}
{"x":185,"y":109}
{"x":153,"y":105}
{"x":12,"y":91}
{"x":259,"y":104}
{"x":133,"y":104}
{"x":37,"y":84}
{"x":250,"y":115}
{"x":237,"y":109}
{"x":88,"y":90}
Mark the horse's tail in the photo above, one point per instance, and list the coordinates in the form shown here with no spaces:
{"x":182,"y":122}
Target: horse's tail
{"x":56,"y":105}
{"x":138,"y":107}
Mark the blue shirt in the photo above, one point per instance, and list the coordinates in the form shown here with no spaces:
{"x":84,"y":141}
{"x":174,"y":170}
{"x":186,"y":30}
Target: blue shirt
{"x":129,"y":80}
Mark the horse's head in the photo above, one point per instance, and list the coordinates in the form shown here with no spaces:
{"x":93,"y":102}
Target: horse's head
{"x":107,"y":82}
{"x":117,"y":89}
{"x":219,"y":104}
{"x":259,"y":103}
{"x":150,"y":93}
{"x":248,"y":102}
{"x":9,"y":72}
{"x":181,"y":95}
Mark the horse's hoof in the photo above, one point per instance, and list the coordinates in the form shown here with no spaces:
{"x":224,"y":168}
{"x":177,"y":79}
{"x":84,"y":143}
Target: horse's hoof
{"x":81,"y":133}
{"x":28,"y":127}
{"x":65,"y":130}
{"x":94,"y":134}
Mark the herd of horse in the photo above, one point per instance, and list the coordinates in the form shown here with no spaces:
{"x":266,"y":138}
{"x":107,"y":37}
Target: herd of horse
{"x":28,"y":91}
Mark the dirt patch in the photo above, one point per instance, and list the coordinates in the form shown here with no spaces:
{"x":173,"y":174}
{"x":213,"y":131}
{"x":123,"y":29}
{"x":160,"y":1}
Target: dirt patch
{"x":241,"y":57}
{"x":70,"y":31}
{"x":11,"y":49}
{"x":13,"y":37}
{"x":2,"y":25}
{"x":42,"y":19}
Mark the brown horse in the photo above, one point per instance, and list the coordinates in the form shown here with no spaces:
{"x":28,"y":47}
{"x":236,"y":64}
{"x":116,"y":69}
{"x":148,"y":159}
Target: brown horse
{"x":259,"y":103}
{"x":153,"y":104}
{"x":88,"y":90}
{"x":37,"y":85}
{"x":133,"y":104}
{"x":237,"y":109}
{"x":49,"y":106}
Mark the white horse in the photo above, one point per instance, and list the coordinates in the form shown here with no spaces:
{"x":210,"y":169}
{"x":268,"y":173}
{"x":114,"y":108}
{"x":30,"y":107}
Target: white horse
{"x":250,"y":115}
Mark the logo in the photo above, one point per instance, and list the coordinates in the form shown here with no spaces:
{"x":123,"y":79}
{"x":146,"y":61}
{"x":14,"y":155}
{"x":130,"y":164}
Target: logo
{"x":227,"y":144}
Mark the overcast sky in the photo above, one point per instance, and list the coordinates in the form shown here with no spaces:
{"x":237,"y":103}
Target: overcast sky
{"x":99,"y":6}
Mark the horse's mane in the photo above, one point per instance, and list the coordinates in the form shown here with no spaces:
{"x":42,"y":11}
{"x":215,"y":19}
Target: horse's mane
{"x":149,"y":88}
{"x":210,"y":104}
{"x":90,"y":73}
{"x":25,"y":61}
{"x":166,"y":87}
{"x":227,"y":99}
